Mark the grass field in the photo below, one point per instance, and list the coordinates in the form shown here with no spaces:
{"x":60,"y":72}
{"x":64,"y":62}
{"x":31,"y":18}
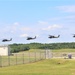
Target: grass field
{"x":54,"y":66}
{"x":64,"y":50}
{"x":44,"y":67}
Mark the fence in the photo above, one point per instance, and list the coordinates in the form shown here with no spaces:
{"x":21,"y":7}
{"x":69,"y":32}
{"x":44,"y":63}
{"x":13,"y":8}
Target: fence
{"x":22,"y":58}
{"x":31,"y":56}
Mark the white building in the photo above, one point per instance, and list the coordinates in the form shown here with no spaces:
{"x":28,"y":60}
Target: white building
{"x":4,"y":50}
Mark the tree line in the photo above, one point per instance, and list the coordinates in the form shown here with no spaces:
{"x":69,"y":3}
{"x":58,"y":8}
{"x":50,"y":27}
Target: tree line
{"x":24,"y":47}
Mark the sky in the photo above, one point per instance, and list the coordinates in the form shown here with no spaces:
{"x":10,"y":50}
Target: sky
{"x":22,"y":18}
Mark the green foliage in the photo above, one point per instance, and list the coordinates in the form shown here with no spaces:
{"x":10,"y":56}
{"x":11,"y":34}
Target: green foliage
{"x":18,"y":47}
{"x":23,"y":47}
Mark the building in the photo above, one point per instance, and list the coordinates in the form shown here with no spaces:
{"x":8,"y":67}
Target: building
{"x":4,"y":50}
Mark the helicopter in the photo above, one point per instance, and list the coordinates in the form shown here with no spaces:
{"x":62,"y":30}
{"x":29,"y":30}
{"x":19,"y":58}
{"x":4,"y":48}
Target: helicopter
{"x":52,"y":36}
{"x":5,"y":40}
{"x":73,"y":35}
{"x":31,"y":38}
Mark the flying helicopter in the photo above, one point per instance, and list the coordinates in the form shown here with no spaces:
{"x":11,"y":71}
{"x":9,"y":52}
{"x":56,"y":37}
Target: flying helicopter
{"x":31,"y":38}
{"x":6,"y":40}
{"x":52,"y":36}
{"x":73,"y":35}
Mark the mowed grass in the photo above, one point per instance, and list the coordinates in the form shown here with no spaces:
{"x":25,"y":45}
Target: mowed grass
{"x":64,"y":50}
{"x":44,"y":67}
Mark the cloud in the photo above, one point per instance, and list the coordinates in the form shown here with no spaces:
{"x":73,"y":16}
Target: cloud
{"x":42,"y":22}
{"x":24,"y":29}
{"x":69,"y":8}
{"x":55,"y":19}
{"x":17,"y":27}
{"x":14,"y":27}
{"x":23,"y":35}
{"x":10,"y":28}
{"x":37,"y":35}
{"x":70,"y":17}
{"x":52,"y":27}
{"x":16,"y":23}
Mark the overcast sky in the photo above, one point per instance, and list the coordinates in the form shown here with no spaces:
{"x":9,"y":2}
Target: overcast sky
{"x":22,"y":18}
